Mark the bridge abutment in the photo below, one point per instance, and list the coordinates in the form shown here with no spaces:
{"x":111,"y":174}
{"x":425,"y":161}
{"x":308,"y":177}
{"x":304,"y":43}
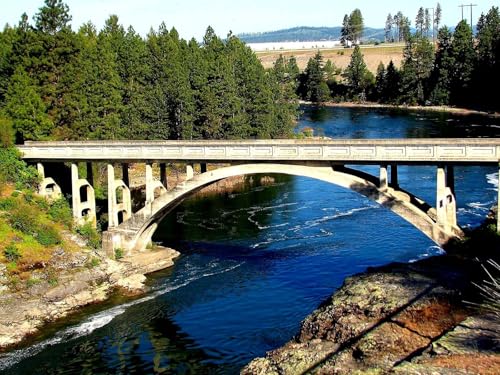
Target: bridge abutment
{"x":47,"y":188}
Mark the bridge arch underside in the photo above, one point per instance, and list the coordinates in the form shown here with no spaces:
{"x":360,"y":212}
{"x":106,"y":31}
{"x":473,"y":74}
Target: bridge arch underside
{"x":417,"y":212}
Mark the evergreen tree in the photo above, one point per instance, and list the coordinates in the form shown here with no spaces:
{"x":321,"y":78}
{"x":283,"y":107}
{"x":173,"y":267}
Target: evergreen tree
{"x":427,"y":22}
{"x":419,"y":21}
{"x":462,"y":51}
{"x":391,"y":87}
{"x":26,"y":109}
{"x":380,"y":81}
{"x":441,"y":75}
{"x":437,"y":16}
{"x":416,"y":69}
{"x":316,"y":89}
{"x":53,"y":17}
{"x":388,"y":29}
{"x":345,"y":33}
{"x":357,"y":76}
{"x":356,"y":26}
{"x":487,"y":70}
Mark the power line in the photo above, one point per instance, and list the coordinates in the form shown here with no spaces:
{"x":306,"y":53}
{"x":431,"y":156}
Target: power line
{"x":465,"y":6}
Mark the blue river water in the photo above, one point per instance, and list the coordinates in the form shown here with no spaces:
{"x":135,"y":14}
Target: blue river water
{"x":255,"y":263}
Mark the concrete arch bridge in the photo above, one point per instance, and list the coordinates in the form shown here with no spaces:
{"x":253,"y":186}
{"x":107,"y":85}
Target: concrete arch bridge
{"x":324,"y":160}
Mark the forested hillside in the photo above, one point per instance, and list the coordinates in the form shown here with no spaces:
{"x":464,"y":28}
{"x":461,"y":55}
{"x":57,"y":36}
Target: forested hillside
{"x":307,"y":33}
{"x":58,"y":84}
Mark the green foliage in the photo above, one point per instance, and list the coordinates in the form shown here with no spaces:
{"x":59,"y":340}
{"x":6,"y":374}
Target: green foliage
{"x":90,"y":234}
{"x":490,"y":288}
{"x":14,"y":170}
{"x":60,"y":211}
{"x":313,"y":86}
{"x":119,"y":253}
{"x":357,"y":76}
{"x":7,"y":204}
{"x":6,"y":132}
{"x":48,"y":236}
{"x":24,"y":218}
{"x":12,"y":253}
{"x":93,"y":262}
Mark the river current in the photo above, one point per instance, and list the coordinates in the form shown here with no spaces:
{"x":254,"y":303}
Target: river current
{"x":257,"y":262}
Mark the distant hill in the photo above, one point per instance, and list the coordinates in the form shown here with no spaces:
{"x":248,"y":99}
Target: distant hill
{"x":306,"y":34}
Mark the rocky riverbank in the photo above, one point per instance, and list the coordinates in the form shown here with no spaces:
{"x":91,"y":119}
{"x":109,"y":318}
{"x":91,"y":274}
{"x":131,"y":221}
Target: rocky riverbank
{"x":83,"y":278}
{"x":400,"y":318}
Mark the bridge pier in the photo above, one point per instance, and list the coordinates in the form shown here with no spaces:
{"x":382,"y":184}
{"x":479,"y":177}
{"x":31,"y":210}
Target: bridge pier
{"x":446,"y":206}
{"x":384,"y":183}
{"x":83,"y":206}
{"x":118,"y":205}
{"x":47,"y":188}
{"x":498,"y":201}
{"x":163,"y":175}
{"x":189,"y":172}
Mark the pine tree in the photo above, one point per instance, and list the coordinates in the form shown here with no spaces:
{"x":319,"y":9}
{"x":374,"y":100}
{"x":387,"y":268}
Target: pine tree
{"x":391,"y":92}
{"x":462,"y":51}
{"x":487,"y":70}
{"x":345,"y":33}
{"x":26,"y":109}
{"x":416,"y":69}
{"x":388,"y":29}
{"x":427,"y":22}
{"x":419,"y":21}
{"x":356,"y":26}
{"x":316,"y":88}
{"x":357,"y":76}
{"x":53,"y":17}
{"x":437,"y":16}
{"x":380,"y":81}
{"x":440,"y":79}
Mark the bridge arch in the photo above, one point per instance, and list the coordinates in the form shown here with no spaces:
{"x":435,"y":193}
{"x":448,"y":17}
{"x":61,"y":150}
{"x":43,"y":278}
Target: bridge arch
{"x":137,"y":232}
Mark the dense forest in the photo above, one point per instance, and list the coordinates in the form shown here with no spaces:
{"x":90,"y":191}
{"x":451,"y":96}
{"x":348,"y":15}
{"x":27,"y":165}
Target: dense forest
{"x":57,"y":84}
{"x":459,"y":69}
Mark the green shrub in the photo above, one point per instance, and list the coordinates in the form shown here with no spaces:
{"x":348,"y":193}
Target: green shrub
{"x":119,"y":254}
{"x":15,"y":170}
{"x":90,"y":234}
{"x":93,"y":262}
{"x":60,"y":211}
{"x":48,"y":236}
{"x":24,"y":219}
{"x":11,"y":253}
{"x":7,"y":204}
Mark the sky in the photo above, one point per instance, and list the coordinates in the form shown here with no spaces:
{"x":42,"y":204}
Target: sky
{"x":191,"y":17}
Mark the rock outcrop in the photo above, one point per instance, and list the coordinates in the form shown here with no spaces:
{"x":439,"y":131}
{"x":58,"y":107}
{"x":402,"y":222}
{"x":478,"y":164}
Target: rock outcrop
{"x":394,"y":319}
{"x":24,"y":313}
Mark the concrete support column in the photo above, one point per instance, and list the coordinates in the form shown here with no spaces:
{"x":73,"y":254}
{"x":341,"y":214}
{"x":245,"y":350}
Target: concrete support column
{"x":163,"y":175}
{"x":116,"y":208}
{"x":203,"y":167}
{"x":394,"y":176}
{"x":189,"y":172}
{"x":83,"y":211}
{"x":112,"y":214}
{"x":446,"y":208}
{"x":75,"y":192}
{"x":125,"y":176}
{"x":383,"y":184}
{"x":150,"y":192}
{"x":41,"y":170}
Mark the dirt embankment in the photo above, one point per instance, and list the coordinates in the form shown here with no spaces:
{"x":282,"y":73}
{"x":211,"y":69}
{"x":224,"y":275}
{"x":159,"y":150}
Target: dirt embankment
{"x":401,"y":319}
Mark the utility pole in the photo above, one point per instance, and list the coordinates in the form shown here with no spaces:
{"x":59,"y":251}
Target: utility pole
{"x":433,"y":23}
{"x":470,"y":6}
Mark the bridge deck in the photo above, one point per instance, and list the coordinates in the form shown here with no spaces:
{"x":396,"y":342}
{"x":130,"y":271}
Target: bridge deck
{"x":352,"y":151}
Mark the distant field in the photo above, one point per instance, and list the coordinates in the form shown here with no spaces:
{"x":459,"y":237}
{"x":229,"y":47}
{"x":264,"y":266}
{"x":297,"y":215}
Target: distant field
{"x":373,"y":55}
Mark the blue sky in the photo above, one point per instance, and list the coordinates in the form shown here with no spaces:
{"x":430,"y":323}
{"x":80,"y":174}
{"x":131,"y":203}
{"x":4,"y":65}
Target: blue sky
{"x":191,"y":17}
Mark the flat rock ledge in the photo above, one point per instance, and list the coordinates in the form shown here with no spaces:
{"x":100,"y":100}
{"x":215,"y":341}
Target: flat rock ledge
{"x":22,"y":315}
{"x":396,"y":319}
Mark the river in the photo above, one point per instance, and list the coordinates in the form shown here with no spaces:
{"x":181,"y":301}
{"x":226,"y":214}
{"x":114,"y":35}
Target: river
{"x":257,"y":262}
